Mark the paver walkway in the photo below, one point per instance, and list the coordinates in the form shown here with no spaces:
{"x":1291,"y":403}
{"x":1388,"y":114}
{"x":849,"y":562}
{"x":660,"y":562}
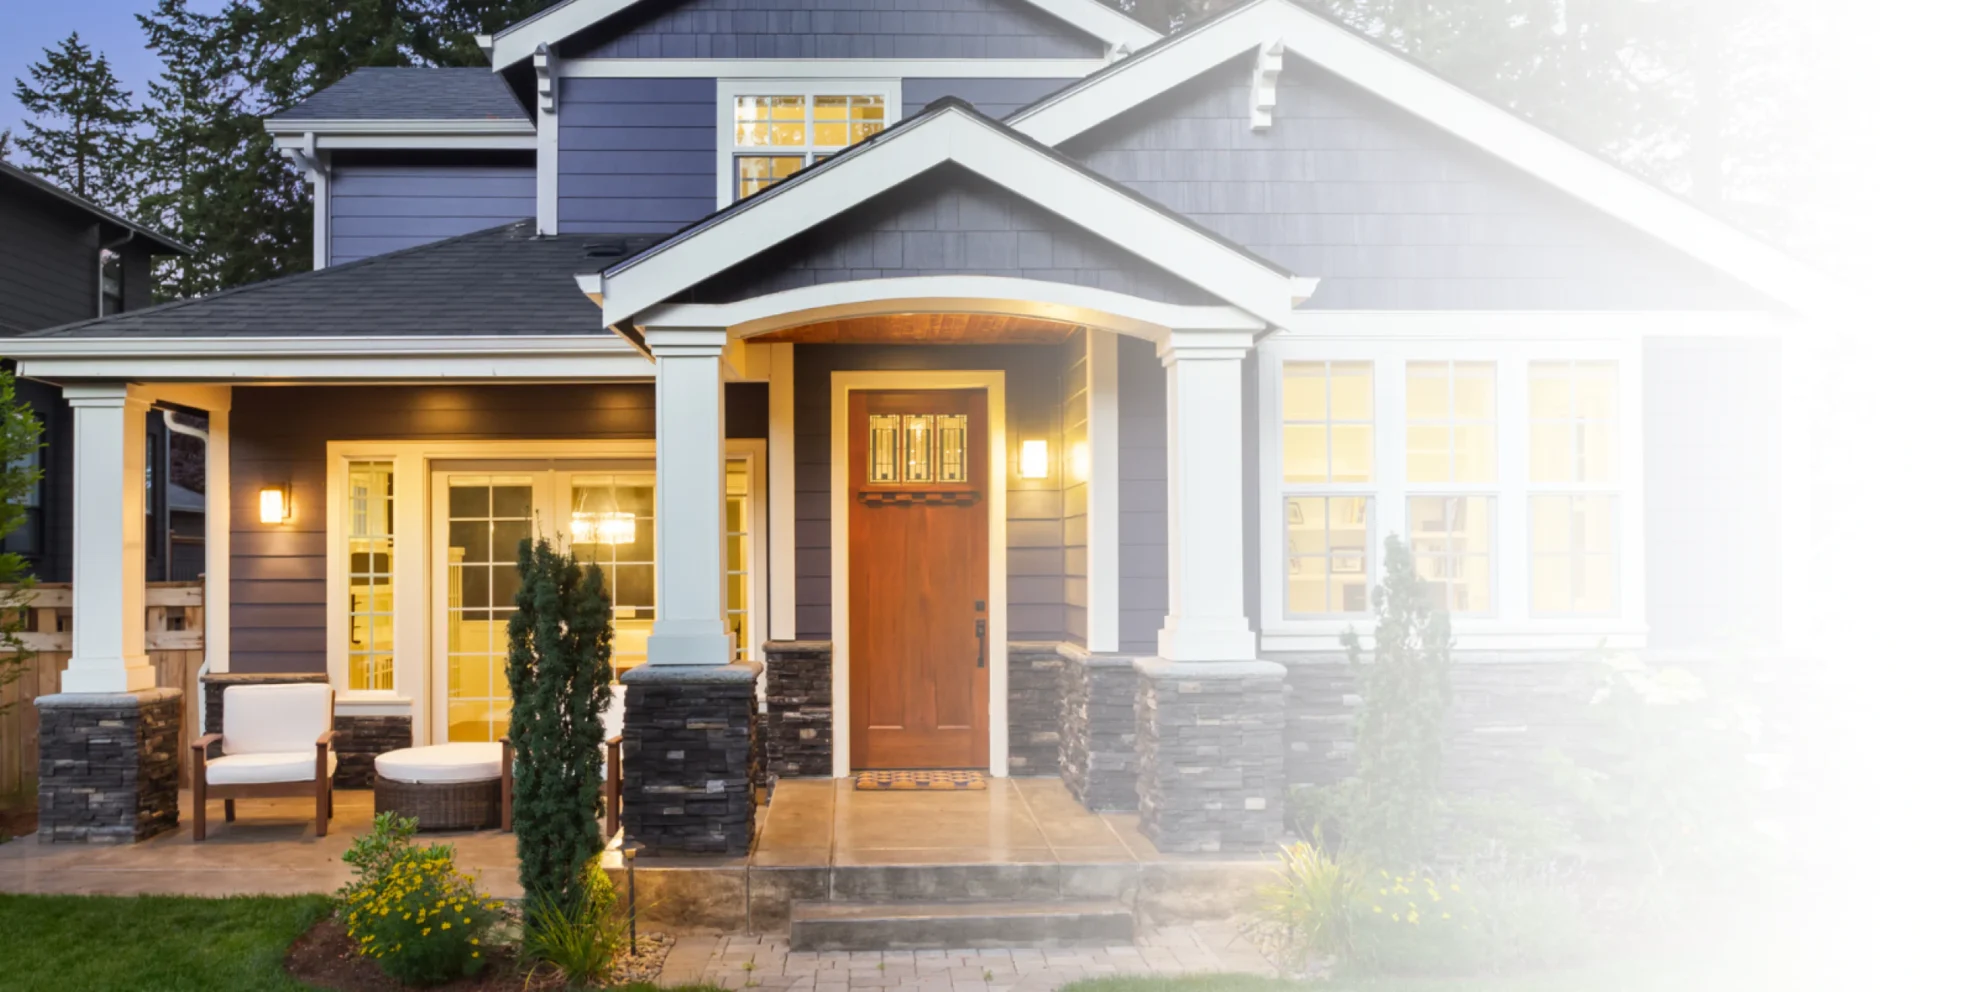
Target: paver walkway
{"x":767,"y":962}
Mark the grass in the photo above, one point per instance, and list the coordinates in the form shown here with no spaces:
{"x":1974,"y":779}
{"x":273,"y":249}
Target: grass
{"x":161,"y":943}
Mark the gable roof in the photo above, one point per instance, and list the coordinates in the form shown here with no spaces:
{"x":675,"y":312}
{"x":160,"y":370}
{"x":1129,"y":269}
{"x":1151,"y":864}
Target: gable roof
{"x":21,"y":181}
{"x":503,"y":281}
{"x":1416,"y":89}
{"x":518,"y":42}
{"x":949,"y":131}
{"x":407,"y":93}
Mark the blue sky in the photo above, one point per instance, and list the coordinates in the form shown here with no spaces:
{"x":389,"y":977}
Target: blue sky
{"x":108,"y":26}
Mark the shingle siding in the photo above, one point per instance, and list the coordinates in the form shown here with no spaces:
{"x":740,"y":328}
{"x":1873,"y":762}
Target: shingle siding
{"x":994,"y":97}
{"x":376,"y":208}
{"x":947,"y":221}
{"x":1388,"y":211}
{"x":840,"y":29}
{"x":635,"y":155}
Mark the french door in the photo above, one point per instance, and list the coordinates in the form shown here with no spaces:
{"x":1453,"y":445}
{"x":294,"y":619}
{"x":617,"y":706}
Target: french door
{"x":481,"y":516}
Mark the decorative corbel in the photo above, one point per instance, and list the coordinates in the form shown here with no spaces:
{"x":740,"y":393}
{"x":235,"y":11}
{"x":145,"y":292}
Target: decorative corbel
{"x":1117,"y":52}
{"x":1265,"y":82}
{"x":546,"y":79}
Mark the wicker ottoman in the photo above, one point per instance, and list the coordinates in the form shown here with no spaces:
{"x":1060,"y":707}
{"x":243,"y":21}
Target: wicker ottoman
{"x":445,"y":786}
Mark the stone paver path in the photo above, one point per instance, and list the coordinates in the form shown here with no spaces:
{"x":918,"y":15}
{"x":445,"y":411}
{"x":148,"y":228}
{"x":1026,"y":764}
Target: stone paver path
{"x":767,"y":962}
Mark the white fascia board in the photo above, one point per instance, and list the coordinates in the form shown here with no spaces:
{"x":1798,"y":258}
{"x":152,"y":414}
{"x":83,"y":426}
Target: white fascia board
{"x":542,"y":357}
{"x":952,"y":135}
{"x":518,"y":43}
{"x":1066,"y":302}
{"x":1415,"y":90}
{"x":445,"y":126}
{"x":467,"y":142}
{"x":829,"y":68}
{"x":464,"y":344}
{"x":1471,"y":325}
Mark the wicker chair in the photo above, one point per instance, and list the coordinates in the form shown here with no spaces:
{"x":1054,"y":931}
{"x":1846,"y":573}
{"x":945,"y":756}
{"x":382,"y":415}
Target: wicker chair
{"x":275,"y":741}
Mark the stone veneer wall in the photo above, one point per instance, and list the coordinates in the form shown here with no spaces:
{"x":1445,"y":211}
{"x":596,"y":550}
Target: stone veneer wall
{"x":797,"y":691}
{"x":1036,"y":676}
{"x":1097,"y":732}
{"x":360,"y":739}
{"x":109,"y":765}
{"x":689,"y":740}
{"x":1210,"y":745}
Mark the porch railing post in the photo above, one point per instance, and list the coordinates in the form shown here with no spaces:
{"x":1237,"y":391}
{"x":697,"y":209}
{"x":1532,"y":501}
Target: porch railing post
{"x":109,"y":651}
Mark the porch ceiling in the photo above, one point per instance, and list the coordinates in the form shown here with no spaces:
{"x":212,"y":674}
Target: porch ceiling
{"x":926,"y":328}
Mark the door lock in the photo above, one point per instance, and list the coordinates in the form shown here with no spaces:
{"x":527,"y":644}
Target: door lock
{"x":982,"y":648}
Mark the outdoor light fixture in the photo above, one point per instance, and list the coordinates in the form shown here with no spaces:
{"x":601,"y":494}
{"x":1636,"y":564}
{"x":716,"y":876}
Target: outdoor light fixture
{"x":274,"y":504}
{"x":612,"y":526}
{"x":1032,"y":460}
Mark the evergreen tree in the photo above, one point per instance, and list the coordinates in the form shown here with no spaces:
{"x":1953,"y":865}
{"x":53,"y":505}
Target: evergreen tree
{"x":81,"y":137}
{"x":20,"y":439}
{"x":6,"y":140}
{"x":560,"y":679}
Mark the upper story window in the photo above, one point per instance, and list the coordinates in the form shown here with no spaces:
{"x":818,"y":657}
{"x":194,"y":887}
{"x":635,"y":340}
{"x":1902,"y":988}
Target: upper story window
{"x":776,"y":127}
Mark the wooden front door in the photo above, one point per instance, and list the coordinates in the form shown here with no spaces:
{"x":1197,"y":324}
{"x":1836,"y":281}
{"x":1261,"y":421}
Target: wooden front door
{"x":918,"y":513}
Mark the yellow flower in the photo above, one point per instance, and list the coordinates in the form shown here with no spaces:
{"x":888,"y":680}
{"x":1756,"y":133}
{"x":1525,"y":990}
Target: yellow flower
{"x":467,"y":919}
{"x":1454,"y":887}
{"x":446,"y":926}
{"x":476,"y":942}
{"x":1397,"y":917}
{"x":1378,"y":909}
{"x":1447,"y":916}
{"x":475,"y":954}
{"x":1412,"y":916}
{"x":426,"y":931}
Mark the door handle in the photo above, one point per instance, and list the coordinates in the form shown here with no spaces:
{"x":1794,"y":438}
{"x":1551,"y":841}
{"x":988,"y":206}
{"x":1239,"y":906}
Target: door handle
{"x":982,"y":649}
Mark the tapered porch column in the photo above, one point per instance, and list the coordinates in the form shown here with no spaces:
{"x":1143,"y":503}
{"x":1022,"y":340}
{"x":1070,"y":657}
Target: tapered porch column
{"x":690,"y":734}
{"x":1209,"y":716}
{"x":109,"y":654}
{"x":1206,"y":620}
{"x":692,"y":623}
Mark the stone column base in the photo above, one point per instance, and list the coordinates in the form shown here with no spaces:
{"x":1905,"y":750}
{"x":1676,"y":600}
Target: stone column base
{"x":109,"y":765}
{"x":1210,"y":742}
{"x":361,"y":739}
{"x":797,"y":686}
{"x":1097,"y":736}
{"x":1033,"y":715}
{"x":688,"y":740}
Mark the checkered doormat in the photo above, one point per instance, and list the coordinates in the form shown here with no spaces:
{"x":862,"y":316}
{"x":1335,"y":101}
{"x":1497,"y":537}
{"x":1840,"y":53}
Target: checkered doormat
{"x":939,"y":781}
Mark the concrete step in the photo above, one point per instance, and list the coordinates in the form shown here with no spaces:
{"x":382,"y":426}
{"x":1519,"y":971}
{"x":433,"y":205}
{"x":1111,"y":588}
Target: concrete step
{"x":912,"y":926}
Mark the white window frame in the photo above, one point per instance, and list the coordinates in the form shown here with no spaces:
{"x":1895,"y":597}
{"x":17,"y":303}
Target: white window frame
{"x":1510,"y":625}
{"x":727,"y":90}
{"x":1612,"y":488}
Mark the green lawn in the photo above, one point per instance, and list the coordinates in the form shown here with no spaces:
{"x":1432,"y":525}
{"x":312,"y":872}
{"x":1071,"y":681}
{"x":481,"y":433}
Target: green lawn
{"x":146,"y":943}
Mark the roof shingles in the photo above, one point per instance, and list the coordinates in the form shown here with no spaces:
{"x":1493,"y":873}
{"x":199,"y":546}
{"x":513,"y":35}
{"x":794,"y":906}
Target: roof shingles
{"x":397,"y":93}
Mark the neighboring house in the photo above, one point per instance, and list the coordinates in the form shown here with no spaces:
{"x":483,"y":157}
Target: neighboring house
{"x":65,"y":259}
{"x":983,"y":367}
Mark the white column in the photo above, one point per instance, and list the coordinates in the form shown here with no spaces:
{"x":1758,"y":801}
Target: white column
{"x":692,"y":626}
{"x":109,"y":542}
{"x":783,"y":494}
{"x":1103,"y":492}
{"x":1206,"y":620}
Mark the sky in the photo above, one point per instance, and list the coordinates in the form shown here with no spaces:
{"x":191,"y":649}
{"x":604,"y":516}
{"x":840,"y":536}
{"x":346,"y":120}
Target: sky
{"x":107,"y":26}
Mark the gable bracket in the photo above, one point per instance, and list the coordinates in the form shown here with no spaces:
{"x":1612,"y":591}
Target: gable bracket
{"x":546,"y":79}
{"x":1271,"y":60}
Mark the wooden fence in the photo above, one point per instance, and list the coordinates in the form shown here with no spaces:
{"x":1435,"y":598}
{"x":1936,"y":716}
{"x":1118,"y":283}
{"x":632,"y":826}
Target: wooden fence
{"x":174,"y":636}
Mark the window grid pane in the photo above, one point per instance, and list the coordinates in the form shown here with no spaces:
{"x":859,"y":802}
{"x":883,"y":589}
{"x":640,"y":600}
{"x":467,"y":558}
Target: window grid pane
{"x":1572,"y":413}
{"x":1327,"y":566}
{"x":1574,"y":554}
{"x":803,"y":129}
{"x":369,"y":539}
{"x":1329,"y":422}
{"x":488,"y":519}
{"x":1451,"y":537}
{"x":1452,"y":435}
{"x":612,"y":527}
{"x":736,"y":549}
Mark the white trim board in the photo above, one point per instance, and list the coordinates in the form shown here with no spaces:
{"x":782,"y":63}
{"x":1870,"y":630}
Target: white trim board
{"x":728,"y":89}
{"x":1418,"y":91}
{"x":519,"y":41}
{"x":964,"y":137}
{"x":823,"y":69}
{"x":993,"y":382}
{"x":465,"y":357}
{"x":452,"y":140}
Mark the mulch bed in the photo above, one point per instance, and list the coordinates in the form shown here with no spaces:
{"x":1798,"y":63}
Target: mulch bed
{"x":326,"y":958}
{"x":17,"y":821}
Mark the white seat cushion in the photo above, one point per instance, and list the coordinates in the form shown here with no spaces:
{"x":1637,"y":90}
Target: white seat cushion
{"x":614,"y":717}
{"x":458,"y":762}
{"x":262,"y":767}
{"x":274,"y":719}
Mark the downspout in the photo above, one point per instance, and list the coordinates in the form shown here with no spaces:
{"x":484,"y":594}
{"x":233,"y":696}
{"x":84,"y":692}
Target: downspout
{"x":130,"y":235}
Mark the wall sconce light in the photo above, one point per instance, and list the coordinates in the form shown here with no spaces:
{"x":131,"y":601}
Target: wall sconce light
{"x":1033,"y":460}
{"x":274,"y":504}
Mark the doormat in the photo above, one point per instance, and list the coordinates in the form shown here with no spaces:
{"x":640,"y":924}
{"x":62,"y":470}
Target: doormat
{"x":907,"y":781}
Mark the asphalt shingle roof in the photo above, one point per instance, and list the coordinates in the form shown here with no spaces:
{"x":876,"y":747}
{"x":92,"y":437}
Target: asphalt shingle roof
{"x":391,"y":93}
{"x":505,"y":280}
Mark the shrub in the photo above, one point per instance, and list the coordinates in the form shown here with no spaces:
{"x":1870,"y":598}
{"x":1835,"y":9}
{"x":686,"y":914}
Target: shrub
{"x":1303,"y":912}
{"x":581,"y":945}
{"x":422,"y":921}
{"x":560,"y":675}
{"x":1412,"y":922}
{"x":373,"y":854}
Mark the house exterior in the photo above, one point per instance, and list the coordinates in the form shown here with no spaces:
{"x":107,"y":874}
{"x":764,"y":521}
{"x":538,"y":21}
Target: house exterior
{"x":1015,"y":389}
{"x":65,"y":259}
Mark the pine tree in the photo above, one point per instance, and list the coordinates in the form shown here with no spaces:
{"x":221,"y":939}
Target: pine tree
{"x":85,"y":140}
{"x":6,"y":140}
{"x":560,"y":678}
{"x":20,"y":439}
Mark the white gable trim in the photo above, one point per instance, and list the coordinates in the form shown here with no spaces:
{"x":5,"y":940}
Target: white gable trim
{"x":951,"y":135}
{"x":1413,"y":89}
{"x":353,"y":358}
{"x":519,"y":41}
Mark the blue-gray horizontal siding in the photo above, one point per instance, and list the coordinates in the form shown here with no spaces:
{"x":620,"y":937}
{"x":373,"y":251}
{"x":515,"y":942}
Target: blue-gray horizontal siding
{"x":838,"y":29}
{"x":635,"y":156}
{"x":379,"y":208}
{"x":945,"y":222}
{"x":995,"y":97}
{"x":1389,"y":212}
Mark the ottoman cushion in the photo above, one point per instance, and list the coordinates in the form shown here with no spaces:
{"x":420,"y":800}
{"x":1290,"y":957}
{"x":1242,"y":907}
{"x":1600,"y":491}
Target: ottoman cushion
{"x":439,"y":763}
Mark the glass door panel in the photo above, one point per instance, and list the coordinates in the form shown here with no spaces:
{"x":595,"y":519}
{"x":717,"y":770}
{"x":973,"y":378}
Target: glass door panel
{"x":610,"y":523}
{"x":488,"y":519}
